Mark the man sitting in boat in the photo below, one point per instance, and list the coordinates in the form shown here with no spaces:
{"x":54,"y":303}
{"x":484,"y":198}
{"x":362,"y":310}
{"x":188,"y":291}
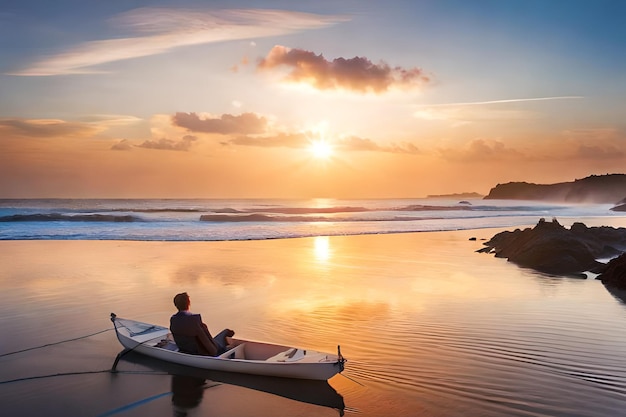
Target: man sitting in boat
{"x":192,"y":335}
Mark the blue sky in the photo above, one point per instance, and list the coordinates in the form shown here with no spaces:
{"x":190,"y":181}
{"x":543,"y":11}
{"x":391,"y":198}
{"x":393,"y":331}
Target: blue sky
{"x":408,"y":97}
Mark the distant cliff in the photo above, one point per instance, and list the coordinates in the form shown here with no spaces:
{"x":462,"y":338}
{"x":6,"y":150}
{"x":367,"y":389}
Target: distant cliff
{"x":610,"y":188}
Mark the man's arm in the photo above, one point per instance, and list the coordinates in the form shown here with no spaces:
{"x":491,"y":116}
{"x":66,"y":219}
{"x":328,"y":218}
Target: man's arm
{"x":204,"y":336}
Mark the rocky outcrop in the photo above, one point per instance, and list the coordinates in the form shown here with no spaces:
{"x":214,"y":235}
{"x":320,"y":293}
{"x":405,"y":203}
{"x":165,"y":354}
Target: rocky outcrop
{"x":608,"y":188}
{"x":551,"y":248}
{"x":614,"y":274}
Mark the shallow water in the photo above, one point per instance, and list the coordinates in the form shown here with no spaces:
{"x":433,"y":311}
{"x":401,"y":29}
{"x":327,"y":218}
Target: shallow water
{"x":429,"y":326}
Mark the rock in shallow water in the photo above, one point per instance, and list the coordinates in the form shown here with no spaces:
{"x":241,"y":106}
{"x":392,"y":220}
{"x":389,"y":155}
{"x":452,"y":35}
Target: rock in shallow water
{"x":615,"y":273}
{"x":551,"y":248}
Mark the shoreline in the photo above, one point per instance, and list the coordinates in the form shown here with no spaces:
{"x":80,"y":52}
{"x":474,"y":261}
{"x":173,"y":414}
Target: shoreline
{"x":591,"y":221}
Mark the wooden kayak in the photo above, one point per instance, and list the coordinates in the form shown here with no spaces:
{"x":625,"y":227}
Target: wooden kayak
{"x":248,"y":357}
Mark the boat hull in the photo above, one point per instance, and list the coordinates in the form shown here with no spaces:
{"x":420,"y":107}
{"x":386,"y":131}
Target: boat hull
{"x":249,"y":357}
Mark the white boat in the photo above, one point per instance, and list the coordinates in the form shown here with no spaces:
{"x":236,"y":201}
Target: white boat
{"x":309,"y":391}
{"x":248,"y":357}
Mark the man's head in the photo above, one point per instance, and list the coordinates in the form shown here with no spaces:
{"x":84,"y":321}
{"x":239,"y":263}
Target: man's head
{"x":181,"y":301}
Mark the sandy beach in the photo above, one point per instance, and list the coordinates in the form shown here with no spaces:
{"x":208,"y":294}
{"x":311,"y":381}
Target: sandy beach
{"x":429,"y":326}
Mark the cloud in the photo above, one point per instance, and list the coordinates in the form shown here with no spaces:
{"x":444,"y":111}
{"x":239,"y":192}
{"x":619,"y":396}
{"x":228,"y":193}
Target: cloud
{"x":245,"y":123}
{"x":356,"y":74}
{"x":599,"y":152}
{"x":601,"y":144}
{"x":481,"y":110}
{"x":463,"y":115}
{"x":355,"y":143}
{"x":302,"y":140}
{"x":285,"y":140}
{"x":596,"y":143}
{"x":513,"y":100}
{"x":46,"y":128}
{"x":160,"y":30}
{"x":111,"y":120}
{"x":169,"y":145}
{"x":481,"y":150}
{"x":594,"y":134}
{"x":251,"y":129}
{"x":122,"y":145}
{"x":243,"y":62}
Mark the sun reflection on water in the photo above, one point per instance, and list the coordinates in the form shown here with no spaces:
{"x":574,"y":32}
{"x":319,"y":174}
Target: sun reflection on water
{"x":322,"y":249}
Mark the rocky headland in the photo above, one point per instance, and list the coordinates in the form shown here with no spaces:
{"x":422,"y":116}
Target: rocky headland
{"x":607,"y":189}
{"x":551,"y":248}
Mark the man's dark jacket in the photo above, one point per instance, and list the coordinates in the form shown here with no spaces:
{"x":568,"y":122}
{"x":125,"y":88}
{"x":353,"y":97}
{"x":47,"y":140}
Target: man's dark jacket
{"x":191,"y":334}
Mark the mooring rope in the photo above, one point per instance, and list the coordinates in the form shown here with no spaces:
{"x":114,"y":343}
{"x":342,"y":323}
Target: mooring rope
{"x":102,"y":371}
{"x":112,"y":370}
{"x":55,"y":343}
{"x":126,"y":350}
{"x":351,"y":379}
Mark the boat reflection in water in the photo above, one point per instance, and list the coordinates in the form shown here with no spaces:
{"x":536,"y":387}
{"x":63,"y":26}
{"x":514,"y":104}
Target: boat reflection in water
{"x":189,"y":384}
{"x":187,"y":393}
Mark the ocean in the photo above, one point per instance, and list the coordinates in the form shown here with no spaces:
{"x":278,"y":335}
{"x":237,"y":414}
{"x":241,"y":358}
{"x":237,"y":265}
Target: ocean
{"x":430,"y":327}
{"x":258,"y":219}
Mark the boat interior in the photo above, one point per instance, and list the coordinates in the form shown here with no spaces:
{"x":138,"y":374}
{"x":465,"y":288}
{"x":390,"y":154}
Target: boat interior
{"x":244,"y":350}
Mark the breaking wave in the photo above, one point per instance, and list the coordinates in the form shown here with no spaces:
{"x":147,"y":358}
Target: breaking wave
{"x":58,"y":217}
{"x":211,"y":220}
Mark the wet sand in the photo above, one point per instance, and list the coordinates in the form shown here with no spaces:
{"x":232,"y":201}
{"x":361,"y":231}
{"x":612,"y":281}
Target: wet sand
{"x":421,"y":318}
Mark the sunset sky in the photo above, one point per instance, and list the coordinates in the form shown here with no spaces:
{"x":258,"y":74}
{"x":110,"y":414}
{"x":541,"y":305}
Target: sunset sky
{"x":338,"y":99}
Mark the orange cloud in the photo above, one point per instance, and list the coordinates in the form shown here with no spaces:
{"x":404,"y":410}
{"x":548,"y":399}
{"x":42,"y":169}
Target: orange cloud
{"x":355,"y":143}
{"x":480,"y":150}
{"x":300,"y":140}
{"x":356,"y":74}
{"x":246,"y":123}
{"x":122,"y":145}
{"x":596,"y":143}
{"x":287,"y":140}
{"x":599,"y":152}
{"x":249,"y":129}
{"x":581,"y":146}
{"x":169,"y":145}
{"x":46,"y":128}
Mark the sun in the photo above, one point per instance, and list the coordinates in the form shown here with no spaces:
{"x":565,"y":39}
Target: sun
{"x":321,"y":149}
{"x":320,"y":146}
